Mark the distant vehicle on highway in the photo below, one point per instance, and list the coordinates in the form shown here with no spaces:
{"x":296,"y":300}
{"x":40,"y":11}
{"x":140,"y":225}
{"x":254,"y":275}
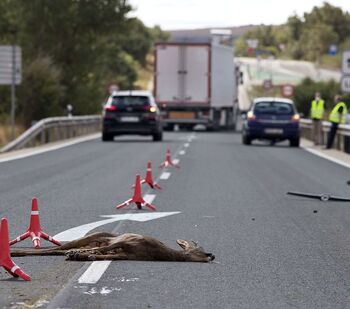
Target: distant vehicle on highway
{"x":131,"y":112}
{"x":274,"y":119}
{"x":196,"y":83}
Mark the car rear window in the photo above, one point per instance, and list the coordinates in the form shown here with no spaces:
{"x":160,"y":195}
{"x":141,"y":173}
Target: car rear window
{"x":275,"y":108}
{"x":124,"y":101}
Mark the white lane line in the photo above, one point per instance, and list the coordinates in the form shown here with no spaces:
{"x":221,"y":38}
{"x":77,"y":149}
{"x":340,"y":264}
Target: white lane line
{"x":187,"y":145}
{"x":94,"y":272}
{"x":149,"y":198}
{"x":182,"y":152}
{"x":165,"y":175}
{"x":29,"y":153}
{"x":176,"y":161}
{"x":324,"y":156}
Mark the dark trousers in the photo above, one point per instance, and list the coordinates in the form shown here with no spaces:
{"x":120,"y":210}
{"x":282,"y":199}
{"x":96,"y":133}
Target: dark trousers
{"x":331,"y":135}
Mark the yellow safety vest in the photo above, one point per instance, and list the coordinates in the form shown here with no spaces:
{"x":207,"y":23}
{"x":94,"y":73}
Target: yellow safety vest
{"x":334,"y":115}
{"x":317,"y":109}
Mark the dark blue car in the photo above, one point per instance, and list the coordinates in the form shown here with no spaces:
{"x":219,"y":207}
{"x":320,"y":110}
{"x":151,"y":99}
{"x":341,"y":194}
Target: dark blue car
{"x":273,"y":119}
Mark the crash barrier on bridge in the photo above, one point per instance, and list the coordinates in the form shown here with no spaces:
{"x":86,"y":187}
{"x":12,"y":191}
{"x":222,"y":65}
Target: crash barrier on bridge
{"x":54,"y":129}
{"x":342,"y":139}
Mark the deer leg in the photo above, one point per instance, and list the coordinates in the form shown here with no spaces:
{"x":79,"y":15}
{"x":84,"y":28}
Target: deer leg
{"x":84,"y":256}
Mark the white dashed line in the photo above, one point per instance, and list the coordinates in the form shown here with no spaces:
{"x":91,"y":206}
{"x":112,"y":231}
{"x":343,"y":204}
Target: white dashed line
{"x":182,"y":152}
{"x":94,"y":272}
{"x":149,"y":198}
{"x":165,"y":176}
{"x":187,"y":145}
{"x":176,"y":161}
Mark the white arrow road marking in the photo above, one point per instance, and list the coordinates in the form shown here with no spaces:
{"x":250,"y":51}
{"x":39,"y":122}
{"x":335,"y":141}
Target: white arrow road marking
{"x":82,"y":230}
{"x":182,"y":152}
{"x":165,"y":175}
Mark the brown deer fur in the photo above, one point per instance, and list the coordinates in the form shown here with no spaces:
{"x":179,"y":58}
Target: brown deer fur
{"x":107,"y":246}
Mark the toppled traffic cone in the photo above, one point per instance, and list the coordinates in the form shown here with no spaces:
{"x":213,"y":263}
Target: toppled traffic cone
{"x":5,"y":256}
{"x":34,"y":230}
{"x":168,"y":161}
{"x":149,"y":178}
{"x":137,"y":197}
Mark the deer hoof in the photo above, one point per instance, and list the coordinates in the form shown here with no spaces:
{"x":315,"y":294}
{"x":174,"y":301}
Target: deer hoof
{"x":72,"y":255}
{"x":91,"y":258}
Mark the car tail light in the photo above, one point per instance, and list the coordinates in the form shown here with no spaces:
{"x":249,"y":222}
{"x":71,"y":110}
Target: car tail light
{"x":251,"y":116}
{"x":295,"y":118}
{"x":152,"y":109}
{"x":110,"y":108}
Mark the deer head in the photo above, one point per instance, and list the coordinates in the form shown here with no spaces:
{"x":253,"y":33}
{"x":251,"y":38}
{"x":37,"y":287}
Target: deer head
{"x":193,"y":252}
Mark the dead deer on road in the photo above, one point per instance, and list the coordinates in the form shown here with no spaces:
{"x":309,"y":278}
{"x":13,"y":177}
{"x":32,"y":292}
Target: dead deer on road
{"x":107,"y":246}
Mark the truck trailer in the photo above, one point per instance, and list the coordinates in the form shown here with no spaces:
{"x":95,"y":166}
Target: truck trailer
{"x":196,"y":83}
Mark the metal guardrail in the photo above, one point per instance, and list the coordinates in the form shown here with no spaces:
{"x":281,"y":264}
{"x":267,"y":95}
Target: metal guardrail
{"x":53,"y":129}
{"x":340,"y":142}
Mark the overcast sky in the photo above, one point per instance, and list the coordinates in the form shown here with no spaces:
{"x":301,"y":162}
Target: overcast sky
{"x":184,"y":14}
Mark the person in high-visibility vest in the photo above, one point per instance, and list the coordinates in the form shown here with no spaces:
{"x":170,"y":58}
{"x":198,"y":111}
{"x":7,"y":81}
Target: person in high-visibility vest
{"x":336,"y":117}
{"x":316,"y":114}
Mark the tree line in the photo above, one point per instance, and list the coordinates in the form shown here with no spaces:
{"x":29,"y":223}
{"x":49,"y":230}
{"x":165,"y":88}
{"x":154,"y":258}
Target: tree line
{"x":306,"y":37}
{"x":71,"y":51}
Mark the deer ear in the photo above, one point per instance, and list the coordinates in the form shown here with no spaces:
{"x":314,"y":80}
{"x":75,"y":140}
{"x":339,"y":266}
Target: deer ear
{"x":183,"y":244}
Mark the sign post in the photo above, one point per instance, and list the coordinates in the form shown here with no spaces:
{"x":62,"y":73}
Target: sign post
{"x":10,"y":74}
{"x":345,"y":80}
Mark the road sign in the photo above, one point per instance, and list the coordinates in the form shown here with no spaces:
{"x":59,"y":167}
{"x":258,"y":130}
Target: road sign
{"x":252,"y":43}
{"x":7,"y":62}
{"x":345,"y":83}
{"x":332,"y":50}
{"x":112,"y":88}
{"x":267,"y":84}
{"x":346,"y":62}
{"x":287,"y":90}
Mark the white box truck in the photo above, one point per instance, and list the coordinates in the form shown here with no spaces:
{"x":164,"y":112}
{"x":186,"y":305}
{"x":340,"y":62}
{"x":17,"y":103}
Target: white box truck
{"x":196,"y":83}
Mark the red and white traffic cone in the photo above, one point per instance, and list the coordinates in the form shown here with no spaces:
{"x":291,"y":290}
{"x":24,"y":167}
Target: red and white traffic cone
{"x":34,"y":230}
{"x":149,"y":178}
{"x":168,"y":161}
{"x":137,"y":197}
{"x":5,"y":256}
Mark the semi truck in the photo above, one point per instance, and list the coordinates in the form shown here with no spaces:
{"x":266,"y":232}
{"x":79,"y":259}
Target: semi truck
{"x":196,"y":83}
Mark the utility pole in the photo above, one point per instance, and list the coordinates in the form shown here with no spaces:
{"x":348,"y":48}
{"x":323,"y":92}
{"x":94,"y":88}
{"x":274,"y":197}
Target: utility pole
{"x":13,"y":94}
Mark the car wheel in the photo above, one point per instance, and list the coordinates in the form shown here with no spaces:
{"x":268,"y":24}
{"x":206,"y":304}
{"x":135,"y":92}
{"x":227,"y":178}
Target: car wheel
{"x":157,"y":137}
{"x":246,"y":139}
{"x":294,"y":142}
{"x":107,"y":137}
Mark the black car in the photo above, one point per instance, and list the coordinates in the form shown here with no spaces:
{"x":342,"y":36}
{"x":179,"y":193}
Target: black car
{"x":274,"y":119}
{"x":131,"y":112}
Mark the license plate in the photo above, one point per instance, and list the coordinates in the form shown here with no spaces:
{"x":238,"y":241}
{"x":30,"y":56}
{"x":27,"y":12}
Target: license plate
{"x":182,"y":115}
{"x":129,"y":119}
{"x":273,"y":131}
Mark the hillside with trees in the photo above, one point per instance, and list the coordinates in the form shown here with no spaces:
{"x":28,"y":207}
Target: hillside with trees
{"x":72,"y":51}
{"x":306,"y":37}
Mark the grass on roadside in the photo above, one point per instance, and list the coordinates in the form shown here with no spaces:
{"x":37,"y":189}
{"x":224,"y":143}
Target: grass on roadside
{"x":5,"y":133}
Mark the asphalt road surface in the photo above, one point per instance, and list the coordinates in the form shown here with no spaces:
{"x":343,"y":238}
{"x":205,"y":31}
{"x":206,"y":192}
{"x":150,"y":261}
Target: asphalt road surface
{"x":272,"y":250}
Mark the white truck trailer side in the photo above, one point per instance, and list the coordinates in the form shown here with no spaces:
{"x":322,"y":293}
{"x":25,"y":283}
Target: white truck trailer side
{"x":196,"y":83}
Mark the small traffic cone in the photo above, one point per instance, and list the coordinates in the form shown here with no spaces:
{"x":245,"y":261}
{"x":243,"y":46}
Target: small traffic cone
{"x":137,"y":197}
{"x":149,"y":178}
{"x":168,"y":161}
{"x":5,"y":256}
{"x":34,"y":230}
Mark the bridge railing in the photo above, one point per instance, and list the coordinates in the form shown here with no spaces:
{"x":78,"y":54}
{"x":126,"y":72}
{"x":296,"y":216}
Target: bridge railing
{"x":53,"y":129}
{"x":342,"y":139}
